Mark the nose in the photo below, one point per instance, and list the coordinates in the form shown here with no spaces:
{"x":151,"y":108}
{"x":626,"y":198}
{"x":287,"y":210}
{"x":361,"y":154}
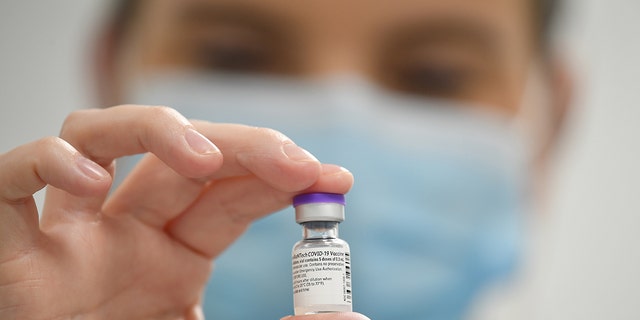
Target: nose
{"x":336,"y":56}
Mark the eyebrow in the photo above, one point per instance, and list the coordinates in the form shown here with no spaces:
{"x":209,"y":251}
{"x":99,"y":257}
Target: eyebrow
{"x":254,"y":18}
{"x":475,"y":35}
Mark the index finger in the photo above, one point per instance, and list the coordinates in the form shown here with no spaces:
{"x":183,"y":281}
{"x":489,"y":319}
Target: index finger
{"x":106,"y":134}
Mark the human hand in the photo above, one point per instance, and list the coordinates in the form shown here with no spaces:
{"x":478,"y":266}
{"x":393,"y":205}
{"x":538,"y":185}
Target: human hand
{"x":146,"y":250}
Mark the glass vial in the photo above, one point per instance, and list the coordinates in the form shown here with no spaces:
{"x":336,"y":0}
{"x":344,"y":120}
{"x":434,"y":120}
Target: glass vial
{"x":321,"y":261}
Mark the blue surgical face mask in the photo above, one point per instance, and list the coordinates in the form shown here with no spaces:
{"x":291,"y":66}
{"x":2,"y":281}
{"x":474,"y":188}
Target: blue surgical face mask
{"x":434,"y":215}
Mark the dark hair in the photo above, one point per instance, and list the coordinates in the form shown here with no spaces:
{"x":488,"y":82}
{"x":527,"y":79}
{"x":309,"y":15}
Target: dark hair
{"x":545,"y":13}
{"x":123,"y":15}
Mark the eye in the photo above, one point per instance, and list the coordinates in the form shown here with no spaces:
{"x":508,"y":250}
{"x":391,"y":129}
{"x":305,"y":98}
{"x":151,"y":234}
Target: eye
{"x":237,"y":47}
{"x":234,"y":55}
{"x":433,"y":79}
{"x":439,"y":70}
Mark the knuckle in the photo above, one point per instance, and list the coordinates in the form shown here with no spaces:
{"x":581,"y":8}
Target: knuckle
{"x":161,"y":117}
{"x":157,"y":117}
{"x":200,"y":124}
{"x":71,"y":121}
{"x":269,"y":133}
{"x":49,"y":143}
{"x":163,"y":113}
{"x":48,"y":147}
{"x":24,"y":153}
{"x":21,"y":168}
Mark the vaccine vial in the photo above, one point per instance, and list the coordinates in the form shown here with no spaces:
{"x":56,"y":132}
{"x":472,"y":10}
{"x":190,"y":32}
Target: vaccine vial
{"x":321,"y":261}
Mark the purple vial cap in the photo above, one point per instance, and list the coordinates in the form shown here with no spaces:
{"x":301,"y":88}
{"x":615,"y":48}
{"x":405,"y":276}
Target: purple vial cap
{"x":318,"y":197}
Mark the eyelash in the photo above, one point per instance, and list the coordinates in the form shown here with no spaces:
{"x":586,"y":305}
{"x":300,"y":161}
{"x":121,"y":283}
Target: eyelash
{"x":233,"y":58}
{"x":431,"y":80}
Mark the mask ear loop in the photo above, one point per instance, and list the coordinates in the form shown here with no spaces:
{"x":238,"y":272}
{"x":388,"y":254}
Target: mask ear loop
{"x":535,"y":115}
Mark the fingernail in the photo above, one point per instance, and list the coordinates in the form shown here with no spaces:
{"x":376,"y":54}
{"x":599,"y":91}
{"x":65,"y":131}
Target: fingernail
{"x":296,"y":153}
{"x":199,"y":143}
{"x":329,"y":169}
{"x":91,"y":169}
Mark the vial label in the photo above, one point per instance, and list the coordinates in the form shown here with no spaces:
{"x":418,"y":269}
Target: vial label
{"x":321,"y":280}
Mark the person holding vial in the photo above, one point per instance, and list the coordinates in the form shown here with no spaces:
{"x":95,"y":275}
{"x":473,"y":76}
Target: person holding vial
{"x":445,"y":111}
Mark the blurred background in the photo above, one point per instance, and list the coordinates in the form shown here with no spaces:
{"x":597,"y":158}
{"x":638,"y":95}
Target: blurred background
{"x":583,"y":261}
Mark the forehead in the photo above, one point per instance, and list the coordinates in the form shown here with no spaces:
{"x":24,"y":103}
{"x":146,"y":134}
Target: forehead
{"x":363,"y":18}
{"x":487,"y":46}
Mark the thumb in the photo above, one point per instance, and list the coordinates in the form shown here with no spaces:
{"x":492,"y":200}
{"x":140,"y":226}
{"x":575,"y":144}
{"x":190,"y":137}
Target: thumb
{"x":329,"y":316}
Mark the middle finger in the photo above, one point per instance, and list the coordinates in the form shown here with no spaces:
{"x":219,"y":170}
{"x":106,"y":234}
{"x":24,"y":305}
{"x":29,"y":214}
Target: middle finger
{"x":156,"y":194}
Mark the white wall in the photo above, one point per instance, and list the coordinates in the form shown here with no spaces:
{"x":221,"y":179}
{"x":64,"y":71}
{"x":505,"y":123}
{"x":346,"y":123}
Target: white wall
{"x":591,"y":255}
{"x":42,"y":65}
{"x":585,"y":262}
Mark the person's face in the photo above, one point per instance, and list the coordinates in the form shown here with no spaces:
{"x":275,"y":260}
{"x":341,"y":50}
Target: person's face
{"x":476,"y":51}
